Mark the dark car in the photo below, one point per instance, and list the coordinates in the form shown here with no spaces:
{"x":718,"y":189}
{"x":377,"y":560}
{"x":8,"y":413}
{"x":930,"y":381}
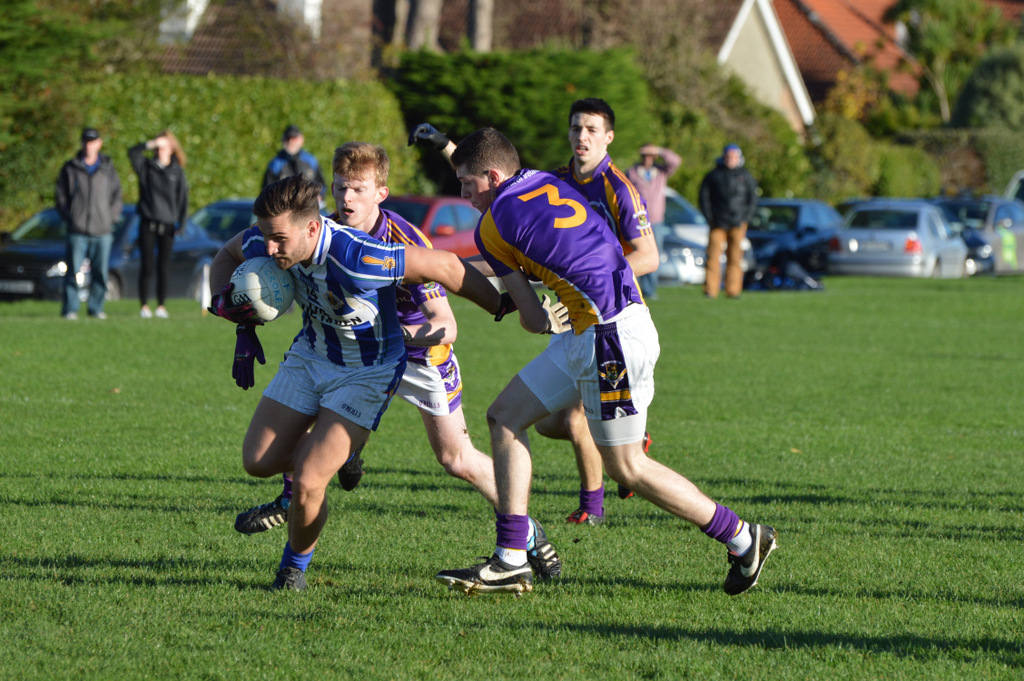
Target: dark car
{"x":32,"y":259}
{"x":786,"y":230}
{"x":448,"y":221}
{"x":991,"y":221}
{"x":225,"y":218}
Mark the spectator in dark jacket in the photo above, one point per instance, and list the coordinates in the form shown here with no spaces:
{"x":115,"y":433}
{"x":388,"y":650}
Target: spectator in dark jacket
{"x":162,"y":208}
{"x":88,"y":198}
{"x":728,"y":199}
{"x":292,"y":159}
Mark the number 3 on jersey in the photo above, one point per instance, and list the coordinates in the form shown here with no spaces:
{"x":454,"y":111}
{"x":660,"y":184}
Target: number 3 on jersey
{"x":551,"y":192}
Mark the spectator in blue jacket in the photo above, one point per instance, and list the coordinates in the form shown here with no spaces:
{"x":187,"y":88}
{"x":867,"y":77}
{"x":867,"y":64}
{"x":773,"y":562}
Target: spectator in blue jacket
{"x":292,"y":159}
{"x":728,"y":199}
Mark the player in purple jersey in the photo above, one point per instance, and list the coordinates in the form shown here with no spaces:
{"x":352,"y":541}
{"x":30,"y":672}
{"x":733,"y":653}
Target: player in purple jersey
{"x":610,"y":193}
{"x":535,"y":225}
{"x":431,"y":381}
{"x":345,"y":364}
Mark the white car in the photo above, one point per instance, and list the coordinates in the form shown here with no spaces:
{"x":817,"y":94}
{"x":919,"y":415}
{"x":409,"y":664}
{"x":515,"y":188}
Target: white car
{"x":684,"y":243}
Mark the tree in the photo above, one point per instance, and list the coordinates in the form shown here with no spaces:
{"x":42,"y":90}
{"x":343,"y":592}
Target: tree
{"x":994,"y":94}
{"x":425,"y":25}
{"x":947,"y":37}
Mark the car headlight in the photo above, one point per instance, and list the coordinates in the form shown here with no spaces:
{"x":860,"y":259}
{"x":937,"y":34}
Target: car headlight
{"x":985,"y":251}
{"x":58,"y":270}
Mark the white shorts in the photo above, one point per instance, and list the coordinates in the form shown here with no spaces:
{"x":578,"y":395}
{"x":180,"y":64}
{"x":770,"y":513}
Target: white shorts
{"x":610,"y":366}
{"x":307,"y":383}
{"x":436,"y":390}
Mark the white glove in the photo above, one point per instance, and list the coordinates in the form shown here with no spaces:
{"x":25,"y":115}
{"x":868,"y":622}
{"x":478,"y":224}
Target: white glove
{"x":558,"y":316}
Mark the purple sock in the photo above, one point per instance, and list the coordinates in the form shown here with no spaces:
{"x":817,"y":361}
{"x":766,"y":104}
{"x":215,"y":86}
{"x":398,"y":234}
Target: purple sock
{"x":287,"y":486}
{"x":723,"y":525}
{"x":513,"y":531}
{"x":592,"y":501}
{"x":296,"y":560}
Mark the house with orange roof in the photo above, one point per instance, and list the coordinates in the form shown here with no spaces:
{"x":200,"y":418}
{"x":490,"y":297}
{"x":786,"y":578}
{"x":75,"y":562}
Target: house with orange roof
{"x":828,"y":37}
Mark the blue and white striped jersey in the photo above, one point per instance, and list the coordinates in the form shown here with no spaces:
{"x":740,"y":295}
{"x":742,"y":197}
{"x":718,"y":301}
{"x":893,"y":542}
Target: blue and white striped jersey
{"x":347,"y":295}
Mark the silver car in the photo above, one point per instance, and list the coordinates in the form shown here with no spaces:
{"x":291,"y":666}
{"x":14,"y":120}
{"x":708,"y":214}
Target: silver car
{"x":897,"y":238}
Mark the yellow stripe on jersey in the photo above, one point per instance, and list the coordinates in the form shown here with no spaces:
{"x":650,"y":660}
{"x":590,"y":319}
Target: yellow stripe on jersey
{"x":582,"y":311}
{"x":397,"y":235}
{"x":438,"y":354}
{"x":618,"y":396}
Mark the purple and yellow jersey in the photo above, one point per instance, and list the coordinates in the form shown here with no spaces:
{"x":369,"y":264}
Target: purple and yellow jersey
{"x":612,"y":195}
{"x":393,"y":228}
{"x":347,"y":295}
{"x":542,"y":226}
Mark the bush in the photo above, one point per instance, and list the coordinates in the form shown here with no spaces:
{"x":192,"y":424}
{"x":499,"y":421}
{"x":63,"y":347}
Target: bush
{"x":526,"y":96}
{"x":229,"y":126}
{"x":994,"y":94}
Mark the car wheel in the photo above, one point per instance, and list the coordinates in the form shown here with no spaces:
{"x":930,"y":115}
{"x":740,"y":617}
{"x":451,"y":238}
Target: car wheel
{"x":114,"y":288}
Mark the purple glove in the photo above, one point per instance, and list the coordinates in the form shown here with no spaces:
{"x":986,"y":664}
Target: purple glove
{"x":505,"y":305}
{"x":247,"y":351}
{"x":220,"y":305}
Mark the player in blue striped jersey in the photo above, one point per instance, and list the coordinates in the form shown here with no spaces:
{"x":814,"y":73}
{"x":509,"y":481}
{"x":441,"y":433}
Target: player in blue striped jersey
{"x":432,"y":381}
{"x":346,"y":362}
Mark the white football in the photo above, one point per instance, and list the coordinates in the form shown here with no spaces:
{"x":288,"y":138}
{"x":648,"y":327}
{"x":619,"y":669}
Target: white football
{"x":261,"y":282}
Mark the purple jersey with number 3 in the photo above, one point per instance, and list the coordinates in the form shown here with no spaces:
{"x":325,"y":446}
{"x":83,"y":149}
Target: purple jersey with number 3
{"x":541,"y":225}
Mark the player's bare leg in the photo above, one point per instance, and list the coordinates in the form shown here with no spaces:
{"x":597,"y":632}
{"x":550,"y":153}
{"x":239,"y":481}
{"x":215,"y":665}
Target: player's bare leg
{"x":450,"y":441}
{"x":571,"y":424}
{"x":508,"y":419}
{"x":748,"y":544}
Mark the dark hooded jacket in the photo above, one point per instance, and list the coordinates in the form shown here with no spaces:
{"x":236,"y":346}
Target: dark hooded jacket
{"x":90,"y":204}
{"x":163,"y":191}
{"x":728,"y":196}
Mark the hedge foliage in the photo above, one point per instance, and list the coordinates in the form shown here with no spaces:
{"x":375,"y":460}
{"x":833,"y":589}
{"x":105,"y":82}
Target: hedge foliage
{"x":230,"y":127}
{"x":994,"y":94}
{"x":525,"y":95}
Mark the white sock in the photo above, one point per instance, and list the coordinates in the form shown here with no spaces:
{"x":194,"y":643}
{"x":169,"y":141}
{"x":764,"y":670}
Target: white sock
{"x":514,"y":557}
{"x":741,"y":541}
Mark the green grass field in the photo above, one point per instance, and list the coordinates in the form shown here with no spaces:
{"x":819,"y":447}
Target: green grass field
{"x":877,"y":425}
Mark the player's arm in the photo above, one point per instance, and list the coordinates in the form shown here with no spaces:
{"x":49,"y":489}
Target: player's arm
{"x":439,"y":329}
{"x":228,"y":258}
{"x":645,"y":258}
{"x":534,"y":316}
{"x":449,"y":270}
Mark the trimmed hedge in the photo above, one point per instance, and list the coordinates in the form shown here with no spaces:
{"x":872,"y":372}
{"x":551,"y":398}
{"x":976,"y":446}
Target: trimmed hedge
{"x":230,"y":127}
{"x":525,"y":95}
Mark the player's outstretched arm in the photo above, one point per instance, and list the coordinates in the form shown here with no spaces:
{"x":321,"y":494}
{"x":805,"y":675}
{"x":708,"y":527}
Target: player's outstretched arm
{"x":535,"y":316}
{"x":427,"y":135}
{"x":449,"y":270}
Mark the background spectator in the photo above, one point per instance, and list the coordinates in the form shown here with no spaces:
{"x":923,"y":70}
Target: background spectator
{"x":89,"y":200}
{"x":728,"y":198}
{"x":650,"y":177}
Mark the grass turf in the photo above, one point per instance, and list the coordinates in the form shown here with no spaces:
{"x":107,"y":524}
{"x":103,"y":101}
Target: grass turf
{"x":877,"y":425}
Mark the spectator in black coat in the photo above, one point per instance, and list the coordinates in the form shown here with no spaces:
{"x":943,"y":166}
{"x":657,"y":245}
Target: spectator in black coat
{"x":162,"y":208}
{"x":88,"y":198}
{"x":293,"y":159}
{"x":728,"y":199}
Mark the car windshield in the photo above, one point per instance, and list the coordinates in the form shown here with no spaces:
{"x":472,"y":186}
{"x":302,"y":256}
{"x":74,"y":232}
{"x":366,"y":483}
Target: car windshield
{"x":223,"y":221}
{"x":774,"y":218}
{"x":413,"y":211}
{"x":679,"y":211}
{"x":967,"y":214}
{"x":884,"y":219}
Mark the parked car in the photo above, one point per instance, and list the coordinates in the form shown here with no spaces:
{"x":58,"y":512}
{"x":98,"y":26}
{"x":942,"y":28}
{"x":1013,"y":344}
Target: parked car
{"x":448,"y":221}
{"x":684,"y":243}
{"x":225,"y":218}
{"x":798,"y":230}
{"x":1015,"y":187}
{"x":32,"y":263}
{"x":996,"y":221}
{"x":899,"y":238}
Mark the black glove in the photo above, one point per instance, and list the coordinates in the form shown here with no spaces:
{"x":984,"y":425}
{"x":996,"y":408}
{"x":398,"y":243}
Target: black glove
{"x":425,"y":133}
{"x":505,"y":305}
{"x":247,"y":351}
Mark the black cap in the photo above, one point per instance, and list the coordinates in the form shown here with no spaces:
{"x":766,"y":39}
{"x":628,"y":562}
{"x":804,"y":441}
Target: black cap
{"x":291,"y":131}
{"x":89,"y":134}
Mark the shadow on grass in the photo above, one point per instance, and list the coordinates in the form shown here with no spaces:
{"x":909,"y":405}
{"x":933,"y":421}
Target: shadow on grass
{"x":903,"y":646}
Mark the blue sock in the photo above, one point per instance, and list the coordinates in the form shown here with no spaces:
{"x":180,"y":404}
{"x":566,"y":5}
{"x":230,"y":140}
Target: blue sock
{"x":296,"y":560}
